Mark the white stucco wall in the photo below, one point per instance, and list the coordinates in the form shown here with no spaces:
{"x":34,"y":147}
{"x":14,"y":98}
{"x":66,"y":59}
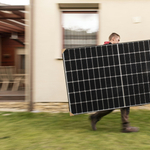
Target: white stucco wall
{"x":118,"y":16}
{"x":114,"y":16}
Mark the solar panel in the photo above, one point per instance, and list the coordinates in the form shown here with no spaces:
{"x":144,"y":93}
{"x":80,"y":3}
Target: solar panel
{"x":107,"y":76}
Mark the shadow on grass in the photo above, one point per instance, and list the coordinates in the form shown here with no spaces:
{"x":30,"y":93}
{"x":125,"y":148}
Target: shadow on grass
{"x":82,"y":123}
{"x":5,"y":137}
{"x":109,"y":124}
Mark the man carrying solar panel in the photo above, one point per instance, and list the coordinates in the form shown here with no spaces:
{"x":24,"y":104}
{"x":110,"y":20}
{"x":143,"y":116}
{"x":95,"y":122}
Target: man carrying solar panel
{"x":126,"y":128}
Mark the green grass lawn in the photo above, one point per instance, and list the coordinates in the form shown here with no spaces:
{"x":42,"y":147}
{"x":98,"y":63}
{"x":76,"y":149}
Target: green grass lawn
{"x":45,"y":131}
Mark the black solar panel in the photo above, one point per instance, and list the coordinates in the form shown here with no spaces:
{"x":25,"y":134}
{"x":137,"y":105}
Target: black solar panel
{"x":107,"y":76}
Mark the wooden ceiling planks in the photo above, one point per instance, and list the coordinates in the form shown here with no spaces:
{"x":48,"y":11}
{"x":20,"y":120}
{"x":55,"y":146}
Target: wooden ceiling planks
{"x":3,"y":30}
{"x":12,"y":19}
{"x":11,"y":8}
{"x":20,"y":20}
{"x":13,"y":23}
{"x":10,"y":26}
{"x":19,"y":13}
{"x":8,"y":29}
{"x":4,"y":15}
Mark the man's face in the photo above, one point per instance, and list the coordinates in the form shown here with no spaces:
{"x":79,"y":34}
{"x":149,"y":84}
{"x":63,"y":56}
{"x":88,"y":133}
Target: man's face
{"x":115,"y":40}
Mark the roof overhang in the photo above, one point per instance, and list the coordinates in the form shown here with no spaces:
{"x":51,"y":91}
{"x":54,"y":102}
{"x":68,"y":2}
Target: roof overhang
{"x":12,"y":19}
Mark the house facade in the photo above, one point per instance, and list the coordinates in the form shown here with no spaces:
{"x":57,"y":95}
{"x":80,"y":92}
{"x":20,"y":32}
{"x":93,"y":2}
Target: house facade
{"x":52,"y":27}
{"x":130,"y":19}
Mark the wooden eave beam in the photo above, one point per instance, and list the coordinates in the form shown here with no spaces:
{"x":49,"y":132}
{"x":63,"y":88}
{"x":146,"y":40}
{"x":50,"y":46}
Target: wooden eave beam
{"x":20,"y":20}
{"x":9,"y":29}
{"x":11,"y":26}
{"x":3,"y":30}
{"x":8,"y":34}
{"x":13,"y":23}
{"x":9,"y":16}
{"x":11,"y":8}
{"x":18,"y":13}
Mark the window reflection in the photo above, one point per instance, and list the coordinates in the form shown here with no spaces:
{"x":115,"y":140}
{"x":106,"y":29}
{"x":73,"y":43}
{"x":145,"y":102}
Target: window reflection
{"x":80,"y":29}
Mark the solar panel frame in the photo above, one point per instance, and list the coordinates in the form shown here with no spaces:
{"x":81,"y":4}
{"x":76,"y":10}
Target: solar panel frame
{"x":103,"y":77}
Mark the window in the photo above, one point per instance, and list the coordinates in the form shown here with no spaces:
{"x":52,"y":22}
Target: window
{"x":20,"y":60}
{"x":79,"y":29}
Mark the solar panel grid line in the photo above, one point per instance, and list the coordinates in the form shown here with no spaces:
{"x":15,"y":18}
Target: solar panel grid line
{"x":127,"y":73}
{"x":63,"y":56}
{"x":135,"y":74}
{"x":117,"y":65}
{"x":93,"y":74}
{"x":84,"y":85}
{"x":99,"y":80}
{"x":137,"y":71}
{"x":142,"y":71}
{"x":116,"y":97}
{"x":114,"y":76}
{"x":131,"y":79}
{"x":83,"y":82}
{"x":110,"y":80}
{"x":114,"y":65}
{"x":121,"y":76}
{"x":72,"y":85}
{"x":104,"y":83}
{"x":147,"y":72}
{"x":104,"y":79}
{"x":88,"y":64}
{"x":94,"y":93}
{"x":120,"y":97}
{"x":81,"y":88}
{"x":78,"y":84}
{"x":107,"y":88}
{"x":142,"y":75}
{"x":142,"y":52}
{"x":138,"y":67}
{"x":94,"y":83}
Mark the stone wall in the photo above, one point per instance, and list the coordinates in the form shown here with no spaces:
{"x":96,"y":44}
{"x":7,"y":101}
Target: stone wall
{"x":39,"y":107}
{"x":13,"y":106}
{"x":51,"y":107}
{"x":46,"y":107}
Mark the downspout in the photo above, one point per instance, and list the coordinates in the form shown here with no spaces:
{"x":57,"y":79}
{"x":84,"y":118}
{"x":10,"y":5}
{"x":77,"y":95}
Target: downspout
{"x":0,"y":51}
{"x":29,"y":59}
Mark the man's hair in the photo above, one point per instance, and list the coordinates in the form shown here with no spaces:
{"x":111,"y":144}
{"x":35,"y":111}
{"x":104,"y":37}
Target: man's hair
{"x":113,"y":35}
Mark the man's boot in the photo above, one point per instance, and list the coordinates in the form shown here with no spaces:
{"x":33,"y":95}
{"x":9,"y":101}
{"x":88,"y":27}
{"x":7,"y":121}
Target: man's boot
{"x":93,"y":120}
{"x":97,"y":116}
{"x":126,"y":128}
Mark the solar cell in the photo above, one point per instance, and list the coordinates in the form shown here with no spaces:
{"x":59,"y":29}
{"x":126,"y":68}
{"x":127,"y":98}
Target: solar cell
{"x":107,"y":76}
